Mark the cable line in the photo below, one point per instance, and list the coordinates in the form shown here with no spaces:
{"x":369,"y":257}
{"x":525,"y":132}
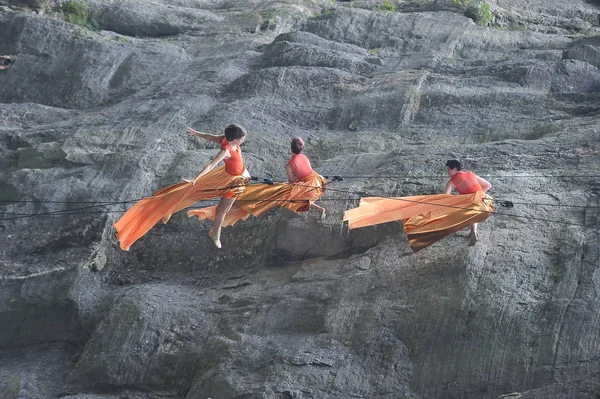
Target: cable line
{"x":66,"y":202}
{"x":441,"y":176}
{"x":359,"y":193}
{"x":106,"y":203}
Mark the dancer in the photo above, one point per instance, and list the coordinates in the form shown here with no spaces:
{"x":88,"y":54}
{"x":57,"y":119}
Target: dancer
{"x":305,"y":186}
{"x":300,"y":171}
{"x":465,"y":183}
{"x":428,"y":218}
{"x":226,"y":182}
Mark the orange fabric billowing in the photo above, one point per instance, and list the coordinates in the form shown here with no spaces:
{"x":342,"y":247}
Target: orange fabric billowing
{"x":257,"y":199}
{"x":142,"y":216}
{"x":234,"y":215}
{"x":295,"y":197}
{"x":423,"y":231}
{"x":466,"y":182}
{"x":426,"y":218}
{"x":235,"y":164}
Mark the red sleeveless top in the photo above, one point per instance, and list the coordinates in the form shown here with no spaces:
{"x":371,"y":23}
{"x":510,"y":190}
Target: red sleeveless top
{"x":234,"y":165}
{"x":300,"y":166}
{"x":466,"y":182}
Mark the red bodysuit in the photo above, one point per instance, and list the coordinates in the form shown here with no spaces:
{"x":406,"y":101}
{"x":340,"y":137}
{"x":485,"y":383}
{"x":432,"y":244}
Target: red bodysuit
{"x":235,"y":164}
{"x":300,"y":165}
{"x":466,"y":183}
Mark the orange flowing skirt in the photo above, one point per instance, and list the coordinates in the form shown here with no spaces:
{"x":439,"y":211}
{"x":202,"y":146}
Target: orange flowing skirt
{"x":142,"y":216}
{"x":258,"y":199}
{"x":426,"y":218}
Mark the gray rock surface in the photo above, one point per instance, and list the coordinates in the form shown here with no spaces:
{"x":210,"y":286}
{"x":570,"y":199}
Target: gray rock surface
{"x":295,"y":307}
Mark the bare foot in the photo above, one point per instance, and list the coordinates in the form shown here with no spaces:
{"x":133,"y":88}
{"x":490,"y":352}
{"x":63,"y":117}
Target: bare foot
{"x":473,"y":238}
{"x":322,"y":215}
{"x":216,"y":238}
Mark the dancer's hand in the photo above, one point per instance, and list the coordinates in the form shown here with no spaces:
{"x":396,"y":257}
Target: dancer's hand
{"x":192,"y":132}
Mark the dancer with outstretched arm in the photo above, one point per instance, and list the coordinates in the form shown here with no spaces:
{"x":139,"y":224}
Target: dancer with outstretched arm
{"x":226,"y":182}
{"x":304,"y":187}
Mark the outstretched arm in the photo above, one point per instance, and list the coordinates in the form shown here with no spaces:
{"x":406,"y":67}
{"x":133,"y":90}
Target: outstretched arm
{"x":216,"y":138}
{"x":449,"y":187}
{"x":291,"y":176}
{"x":218,"y":158}
{"x":485,"y":185}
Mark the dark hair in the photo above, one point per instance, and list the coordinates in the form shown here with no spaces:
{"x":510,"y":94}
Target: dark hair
{"x":297,"y":145}
{"x":234,"y":132}
{"x":454,"y":164}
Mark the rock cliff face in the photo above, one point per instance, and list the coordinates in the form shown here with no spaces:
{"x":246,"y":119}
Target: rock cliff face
{"x":294,"y":307}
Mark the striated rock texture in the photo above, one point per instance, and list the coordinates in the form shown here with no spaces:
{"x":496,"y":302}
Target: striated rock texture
{"x":295,"y":307}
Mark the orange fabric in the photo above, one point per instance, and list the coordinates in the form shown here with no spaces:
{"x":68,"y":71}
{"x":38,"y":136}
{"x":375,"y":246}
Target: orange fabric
{"x":257,"y":199}
{"x":234,"y":215}
{"x":300,"y":165}
{"x":466,"y":182}
{"x":142,"y":216}
{"x":426,"y":218}
{"x":235,"y":164}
